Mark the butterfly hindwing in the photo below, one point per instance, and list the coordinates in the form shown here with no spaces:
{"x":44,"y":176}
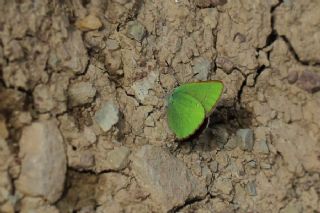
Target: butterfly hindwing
{"x":185,"y":114}
{"x":207,"y":93}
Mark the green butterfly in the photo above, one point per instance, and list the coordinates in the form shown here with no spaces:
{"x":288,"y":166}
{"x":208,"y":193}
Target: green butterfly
{"x":189,"y":105}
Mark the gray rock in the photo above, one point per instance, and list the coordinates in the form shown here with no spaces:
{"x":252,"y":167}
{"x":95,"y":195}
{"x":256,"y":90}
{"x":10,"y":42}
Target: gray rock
{"x":251,"y":188}
{"x":165,"y":177}
{"x":107,"y":115}
{"x":43,"y":166}
{"x":245,"y":139}
{"x":292,"y":77}
{"x":81,"y":93}
{"x":261,"y":146}
{"x":117,"y":159}
{"x":201,"y":68}
{"x":136,"y":30}
{"x":231,"y":144}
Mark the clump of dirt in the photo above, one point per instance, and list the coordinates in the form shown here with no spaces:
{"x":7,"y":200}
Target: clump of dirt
{"x":83,"y":87}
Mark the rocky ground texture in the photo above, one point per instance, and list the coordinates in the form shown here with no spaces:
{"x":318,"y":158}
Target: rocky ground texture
{"x":83,"y":86}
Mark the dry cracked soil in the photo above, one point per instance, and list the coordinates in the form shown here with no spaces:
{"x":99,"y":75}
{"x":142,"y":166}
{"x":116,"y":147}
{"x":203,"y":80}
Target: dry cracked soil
{"x":83,"y":90}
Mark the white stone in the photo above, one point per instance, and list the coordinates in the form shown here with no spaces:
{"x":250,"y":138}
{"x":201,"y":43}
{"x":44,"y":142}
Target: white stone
{"x":43,"y":161}
{"x":201,"y":68}
{"x":141,"y":88}
{"x":107,"y":115}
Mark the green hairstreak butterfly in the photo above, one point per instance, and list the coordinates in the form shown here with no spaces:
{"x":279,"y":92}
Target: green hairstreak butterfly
{"x":189,"y":105}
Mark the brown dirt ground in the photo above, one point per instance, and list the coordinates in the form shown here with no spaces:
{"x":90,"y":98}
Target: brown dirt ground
{"x":83,"y":90}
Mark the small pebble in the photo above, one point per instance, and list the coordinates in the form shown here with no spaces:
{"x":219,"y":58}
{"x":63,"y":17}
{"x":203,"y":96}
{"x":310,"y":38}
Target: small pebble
{"x":136,"y":30}
{"x":245,"y":139}
{"x":262,"y":146}
{"x":292,"y":77}
{"x":149,"y":121}
{"x":107,"y":115}
{"x":251,"y":188}
{"x":201,"y":68}
{"x":90,"y":22}
{"x":226,"y":65}
{"x":252,"y":163}
{"x":240,"y":38}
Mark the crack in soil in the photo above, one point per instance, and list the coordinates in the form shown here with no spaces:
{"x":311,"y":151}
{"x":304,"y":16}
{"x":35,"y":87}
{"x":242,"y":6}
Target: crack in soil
{"x":188,"y":202}
{"x":271,"y":38}
{"x":296,"y":56}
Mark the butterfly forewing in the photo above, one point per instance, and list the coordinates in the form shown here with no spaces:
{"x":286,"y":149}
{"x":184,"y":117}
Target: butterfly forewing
{"x":185,"y":114}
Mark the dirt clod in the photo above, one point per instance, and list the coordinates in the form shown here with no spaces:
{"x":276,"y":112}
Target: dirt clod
{"x":309,"y":81}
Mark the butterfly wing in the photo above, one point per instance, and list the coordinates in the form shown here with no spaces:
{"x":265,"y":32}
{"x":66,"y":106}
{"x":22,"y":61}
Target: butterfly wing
{"x":185,"y":114}
{"x":207,"y":93}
